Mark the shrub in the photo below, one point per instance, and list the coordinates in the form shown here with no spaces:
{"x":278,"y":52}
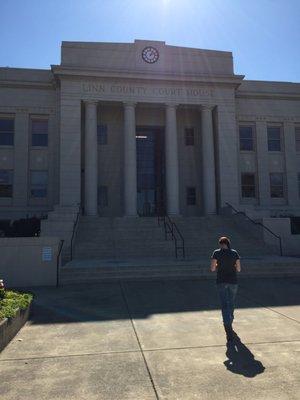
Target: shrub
{"x":11,"y":301}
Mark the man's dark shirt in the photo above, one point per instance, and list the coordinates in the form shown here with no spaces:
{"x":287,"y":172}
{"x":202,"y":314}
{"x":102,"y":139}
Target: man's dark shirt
{"x":226,"y":260}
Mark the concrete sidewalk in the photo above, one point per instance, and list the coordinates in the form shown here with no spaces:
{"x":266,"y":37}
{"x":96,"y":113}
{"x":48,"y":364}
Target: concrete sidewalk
{"x":156,"y":340}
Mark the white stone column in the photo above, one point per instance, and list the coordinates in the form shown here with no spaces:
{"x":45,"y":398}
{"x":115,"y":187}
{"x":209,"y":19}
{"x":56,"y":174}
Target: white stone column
{"x":171,"y":150}
{"x":91,"y":159}
{"x":130,"y":173}
{"x":208,"y":156}
{"x":70,"y":151}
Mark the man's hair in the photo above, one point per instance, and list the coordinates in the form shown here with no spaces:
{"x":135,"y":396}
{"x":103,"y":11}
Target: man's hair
{"x":224,"y":240}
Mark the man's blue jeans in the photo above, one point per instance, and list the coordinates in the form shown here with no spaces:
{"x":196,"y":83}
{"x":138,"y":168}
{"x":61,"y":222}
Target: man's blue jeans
{"x":227,"y":293}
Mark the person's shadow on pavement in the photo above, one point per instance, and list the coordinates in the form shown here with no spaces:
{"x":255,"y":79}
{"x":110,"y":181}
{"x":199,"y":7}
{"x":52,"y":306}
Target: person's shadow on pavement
{"x":241,"y":360}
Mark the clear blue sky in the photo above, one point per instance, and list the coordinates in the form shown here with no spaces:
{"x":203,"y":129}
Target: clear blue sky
{"x":264,"y":35}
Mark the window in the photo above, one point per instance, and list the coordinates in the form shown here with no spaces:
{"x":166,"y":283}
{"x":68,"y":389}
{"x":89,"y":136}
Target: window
{"x":6,"y":183}
{"x":102,"y":196}
{"x":276,"y":185}
{"x":39,"y":132}
{"x":297,"y":138}
{"x":274,"y":138}
{"x":295,"y":225}
{"x":246,"y":138}
{"x":38,"y":184}
{"x":6,"y":132}
{"x":191,"y":196}
{"x":299,"y":184}
{"x":248,"y":185}
{"x":102,"y":134}
{"x":189,"y":136}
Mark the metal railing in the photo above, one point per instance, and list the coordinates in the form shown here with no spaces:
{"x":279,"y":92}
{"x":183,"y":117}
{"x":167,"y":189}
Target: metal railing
{"x":60,"y":247}
{"x":259,"y":224}
{"x":74,"y":231}
{"x":171,"y":229}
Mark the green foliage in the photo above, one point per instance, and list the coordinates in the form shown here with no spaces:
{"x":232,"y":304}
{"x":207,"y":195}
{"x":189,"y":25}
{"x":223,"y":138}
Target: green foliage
{"x":11,"y":301}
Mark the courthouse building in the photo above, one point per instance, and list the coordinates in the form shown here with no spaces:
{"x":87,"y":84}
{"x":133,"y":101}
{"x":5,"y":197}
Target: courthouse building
{"x":144,"y":128}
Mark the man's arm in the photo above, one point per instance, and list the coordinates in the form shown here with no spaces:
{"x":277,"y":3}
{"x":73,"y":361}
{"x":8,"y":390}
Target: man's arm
{"x":213,"y":265}
{"x":238,"y":265}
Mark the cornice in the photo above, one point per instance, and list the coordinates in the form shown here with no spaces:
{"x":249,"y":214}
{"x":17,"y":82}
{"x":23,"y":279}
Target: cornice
{"x":27,"y":84}
{"x":64,"y":71}
{"x":267,"y":95}
{"x":28,"y":110}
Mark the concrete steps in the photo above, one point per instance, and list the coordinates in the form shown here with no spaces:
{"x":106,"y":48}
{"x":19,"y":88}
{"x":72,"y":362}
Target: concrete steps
{"x":92,"y":271}
{"x":135,"y":248}
{"x":127,"y":238}
{"x":201,"y":235}
{"x":122,"y":237}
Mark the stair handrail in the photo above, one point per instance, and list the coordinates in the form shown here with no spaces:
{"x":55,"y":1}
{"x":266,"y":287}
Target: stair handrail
{"x":60,"y":247}
{"x":74,"y":230}
{"x":258,"y":223}
{"x":170,"y":227}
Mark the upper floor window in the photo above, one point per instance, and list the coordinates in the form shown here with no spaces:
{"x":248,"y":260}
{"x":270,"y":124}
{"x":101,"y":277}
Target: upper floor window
{"x":276,"y":185}
{"x":6,"y":132}
{"x":6,"y":183}
{"x":297,"y":138}
{"x":191,"y":196}
{"x":248,"y":185}
{"x":39,"y":132}
{"x":274,"y":138}
{"x":246,"y":138}
{"x":189,"y":136}
{"x":102,"y":134}
{"x":38,"y":184}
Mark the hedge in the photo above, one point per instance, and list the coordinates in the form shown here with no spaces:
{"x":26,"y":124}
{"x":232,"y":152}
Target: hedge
{"x":11,"y":301}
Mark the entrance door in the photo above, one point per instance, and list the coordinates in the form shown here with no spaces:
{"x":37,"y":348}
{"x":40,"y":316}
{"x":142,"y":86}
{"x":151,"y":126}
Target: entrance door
{"x":150,"y":171}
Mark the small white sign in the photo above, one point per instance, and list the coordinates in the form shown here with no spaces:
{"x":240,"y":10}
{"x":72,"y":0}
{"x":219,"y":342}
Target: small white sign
{"x":47,"y":254}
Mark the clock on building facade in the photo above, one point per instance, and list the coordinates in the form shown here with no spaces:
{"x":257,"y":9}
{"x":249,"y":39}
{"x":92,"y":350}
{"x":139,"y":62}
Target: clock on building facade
{"x":150,"y":54}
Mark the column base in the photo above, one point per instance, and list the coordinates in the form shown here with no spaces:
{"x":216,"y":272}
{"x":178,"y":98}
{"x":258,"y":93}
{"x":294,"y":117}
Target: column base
{"x":210,"y":213}
{"x":91,"y":215}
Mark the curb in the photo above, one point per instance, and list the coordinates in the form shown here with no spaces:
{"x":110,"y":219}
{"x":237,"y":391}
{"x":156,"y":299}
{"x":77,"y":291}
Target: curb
{"x":9,"y":327}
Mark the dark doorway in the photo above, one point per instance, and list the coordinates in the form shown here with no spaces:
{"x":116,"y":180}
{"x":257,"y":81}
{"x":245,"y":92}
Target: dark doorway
{"x":150,"y":171}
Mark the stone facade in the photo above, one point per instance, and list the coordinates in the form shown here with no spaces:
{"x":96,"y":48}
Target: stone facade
{"x":102,"y":94}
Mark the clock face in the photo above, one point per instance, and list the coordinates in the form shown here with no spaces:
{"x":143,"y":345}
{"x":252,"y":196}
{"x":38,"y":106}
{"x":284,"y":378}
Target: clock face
{"x":150,"y":54}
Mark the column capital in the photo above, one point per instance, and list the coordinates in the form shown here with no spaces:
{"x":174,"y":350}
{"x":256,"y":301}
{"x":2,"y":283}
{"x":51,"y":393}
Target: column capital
{"x":91,"y":102}
{"x":171,"y":105}
{"x":22,"y":110}
{"x":129,"y":103}
{"x":206,"y":107}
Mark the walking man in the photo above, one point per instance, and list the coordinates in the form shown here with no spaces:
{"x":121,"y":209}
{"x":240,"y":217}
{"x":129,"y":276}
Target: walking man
{"x":226,"y":262}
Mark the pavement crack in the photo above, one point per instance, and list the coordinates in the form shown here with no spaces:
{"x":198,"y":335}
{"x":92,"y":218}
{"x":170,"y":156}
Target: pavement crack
{"x":104,"y":353}
{"x":137,"y":338}
{"x":266,"y":307}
